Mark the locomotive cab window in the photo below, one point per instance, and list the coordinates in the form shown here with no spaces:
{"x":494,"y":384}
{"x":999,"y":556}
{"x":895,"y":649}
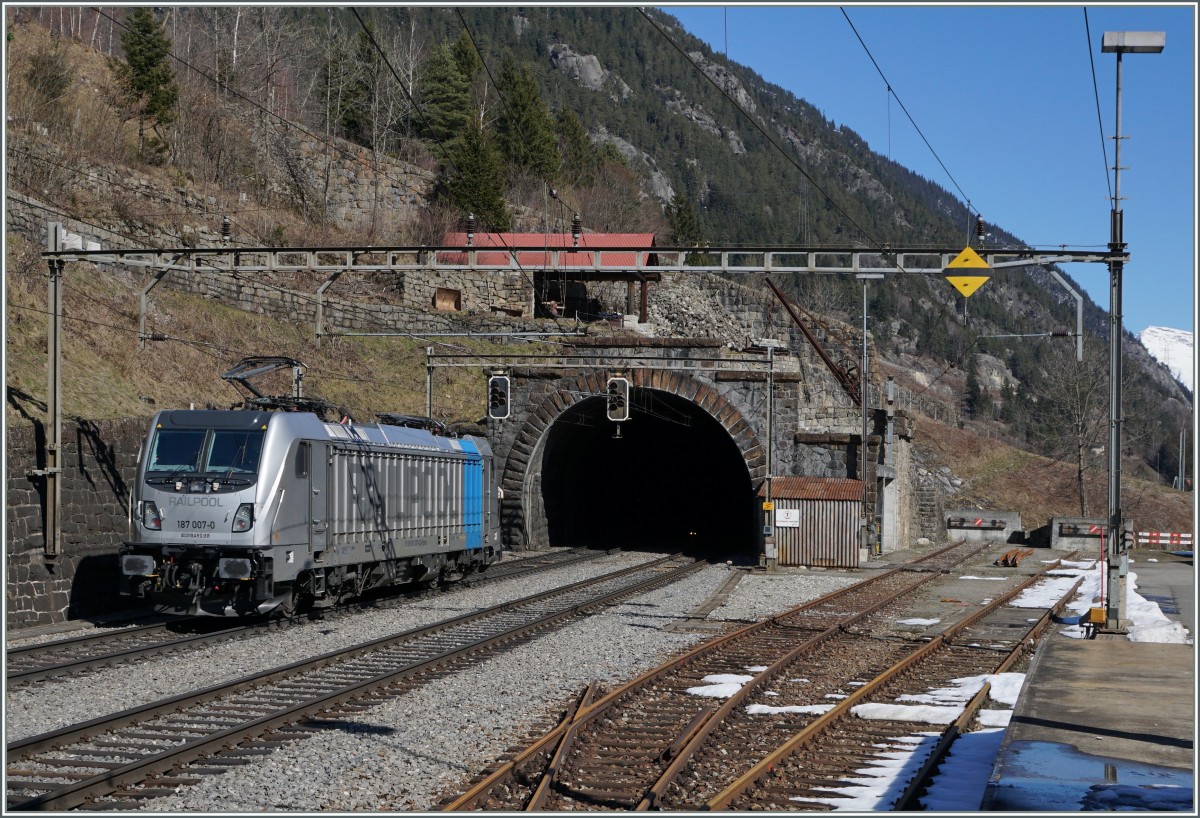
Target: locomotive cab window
{"x":204,"y":451}
{"x":302,"y":460}
{"x":176,"y":450}
{"x":234,"y":452}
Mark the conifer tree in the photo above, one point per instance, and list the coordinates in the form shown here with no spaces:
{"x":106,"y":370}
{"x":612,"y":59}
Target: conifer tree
{"x":146,"y":76}
{"x":473,"y":181}
{"x":580,"y":159}
{"x":974,"y":396}
{"x":525,"y":128}
{"x":685,"y":228}
{"x":359,"y":100}
{"x":445,"y":99}
{"x":471,"y":67}
{"x":685,"y":224}
{"x":465,"y":58}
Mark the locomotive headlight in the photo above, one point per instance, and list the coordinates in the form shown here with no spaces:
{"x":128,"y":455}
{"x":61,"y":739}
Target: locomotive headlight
{"x":243,"y":520}
{"x":151,"y":519}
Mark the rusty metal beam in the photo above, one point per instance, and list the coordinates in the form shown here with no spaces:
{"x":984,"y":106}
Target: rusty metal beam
{"x":843,"y":377}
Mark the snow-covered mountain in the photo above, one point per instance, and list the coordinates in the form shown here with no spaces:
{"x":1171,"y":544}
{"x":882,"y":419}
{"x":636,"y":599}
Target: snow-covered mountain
{"x":1173,"y":349}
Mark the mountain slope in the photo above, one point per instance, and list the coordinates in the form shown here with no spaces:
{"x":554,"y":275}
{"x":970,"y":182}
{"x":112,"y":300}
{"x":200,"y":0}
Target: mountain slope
{"x":760,"y":166}
{"x":1173,"y":349}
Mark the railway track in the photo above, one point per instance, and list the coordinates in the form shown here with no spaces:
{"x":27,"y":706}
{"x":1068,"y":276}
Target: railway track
{"x":66,"y":657}
{"x":655,"y":744}
{"x":70,"y":656}
{"x":822,"y":760}
{"x":70,"y":767}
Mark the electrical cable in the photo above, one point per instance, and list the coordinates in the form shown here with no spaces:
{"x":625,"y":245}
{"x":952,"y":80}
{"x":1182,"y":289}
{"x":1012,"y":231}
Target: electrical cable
{"x":124,"y":187}
{"x":948,"y":369}
{"x":361,"y":311}
{"x":283,"y":120}
{"x":504,"y":101}
{"x":446,"y":153}
{"x":1096,"y":92}
{"x":880,"y":247}
{"x":137,"y":191}
{"x":203,"y":346}
{"x":906,"y":113}
{"x":65,"y":215}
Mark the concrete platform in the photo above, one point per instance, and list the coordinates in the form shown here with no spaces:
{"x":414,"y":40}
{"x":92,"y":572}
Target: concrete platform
{"x":1107,"y":724}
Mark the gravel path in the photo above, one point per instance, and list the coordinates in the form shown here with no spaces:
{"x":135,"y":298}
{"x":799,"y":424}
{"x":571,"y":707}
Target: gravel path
{"x":406,"y":754}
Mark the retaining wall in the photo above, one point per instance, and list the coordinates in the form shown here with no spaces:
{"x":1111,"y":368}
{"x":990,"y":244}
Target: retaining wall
{"x":98,"y":461}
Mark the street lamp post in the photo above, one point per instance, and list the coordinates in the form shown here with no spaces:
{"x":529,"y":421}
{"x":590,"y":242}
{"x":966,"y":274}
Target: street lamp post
{"x":1116,"y":555}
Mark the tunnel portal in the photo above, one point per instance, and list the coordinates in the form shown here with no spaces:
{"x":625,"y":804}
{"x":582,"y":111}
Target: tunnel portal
{"x":669,"y":477}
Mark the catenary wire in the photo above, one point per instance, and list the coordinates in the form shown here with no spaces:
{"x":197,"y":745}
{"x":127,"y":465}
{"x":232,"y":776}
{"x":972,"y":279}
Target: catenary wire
{"x":445,"y":152}
{"x":208,"y":347}
{"x":900,"y":102}
{"x":1096,"y":93}
{"x":136,"y":191}
{"x":286,"y":122}
{"x":504,"y":102}
{"x":53,"y":212}
{"x":879,"y":246}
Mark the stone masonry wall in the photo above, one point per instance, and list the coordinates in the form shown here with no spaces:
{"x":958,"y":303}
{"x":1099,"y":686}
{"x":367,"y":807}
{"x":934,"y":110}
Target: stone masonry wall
{"x":98,"y":459}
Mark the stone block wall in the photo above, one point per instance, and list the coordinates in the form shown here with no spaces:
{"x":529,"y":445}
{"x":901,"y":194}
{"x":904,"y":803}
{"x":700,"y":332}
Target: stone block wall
{"x":99,"y":460}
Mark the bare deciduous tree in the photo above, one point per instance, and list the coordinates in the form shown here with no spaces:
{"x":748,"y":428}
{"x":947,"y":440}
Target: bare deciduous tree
{"x":1072,"y":408}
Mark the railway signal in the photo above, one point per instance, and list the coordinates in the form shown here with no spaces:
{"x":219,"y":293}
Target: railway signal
{"x":498,"y":397}
{"x":618,"y":399}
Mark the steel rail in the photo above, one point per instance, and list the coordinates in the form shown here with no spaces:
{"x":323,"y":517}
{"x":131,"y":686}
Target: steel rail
{"x":908,"y":799}
{"x":703,"y":730}
{"x":104,"y":723}
{"x":22,"y":656}
{"x":478,"y":791}
{"x":765,"y":765}
{"x":69,"y":665}
{"x":74,"y":794}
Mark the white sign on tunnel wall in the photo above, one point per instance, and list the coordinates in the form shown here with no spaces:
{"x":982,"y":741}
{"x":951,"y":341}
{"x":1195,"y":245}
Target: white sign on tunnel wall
{"x":787,"y":518}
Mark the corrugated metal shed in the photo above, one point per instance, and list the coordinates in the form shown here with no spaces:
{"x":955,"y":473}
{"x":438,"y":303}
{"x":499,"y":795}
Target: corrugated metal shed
{"x":816,"y":520}
{"x":813,"y":488}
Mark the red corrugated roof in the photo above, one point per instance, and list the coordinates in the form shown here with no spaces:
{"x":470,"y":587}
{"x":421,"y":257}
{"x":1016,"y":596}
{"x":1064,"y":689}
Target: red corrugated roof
{"x":551,"y":241}
{"x":813,"y":488}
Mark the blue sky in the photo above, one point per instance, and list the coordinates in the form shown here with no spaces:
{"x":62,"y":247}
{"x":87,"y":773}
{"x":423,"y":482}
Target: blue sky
{"x":1004,"y":94}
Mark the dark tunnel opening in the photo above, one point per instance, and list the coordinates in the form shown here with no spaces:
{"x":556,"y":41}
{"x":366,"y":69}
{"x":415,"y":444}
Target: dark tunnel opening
{"x":670,"y":477}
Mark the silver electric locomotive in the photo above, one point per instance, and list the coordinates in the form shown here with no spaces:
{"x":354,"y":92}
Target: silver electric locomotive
{"x":242,"y":512}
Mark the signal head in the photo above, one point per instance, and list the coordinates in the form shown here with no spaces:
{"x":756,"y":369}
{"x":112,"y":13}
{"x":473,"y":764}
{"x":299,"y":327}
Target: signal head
{"x":617,"y":399}
{"x":499,"y":393}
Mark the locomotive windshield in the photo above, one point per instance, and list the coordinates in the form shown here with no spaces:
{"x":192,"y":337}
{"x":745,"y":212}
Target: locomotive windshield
{"x":206,"y":451}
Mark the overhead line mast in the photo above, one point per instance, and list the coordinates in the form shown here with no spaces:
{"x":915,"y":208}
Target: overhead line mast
{"x":1116,"y":548}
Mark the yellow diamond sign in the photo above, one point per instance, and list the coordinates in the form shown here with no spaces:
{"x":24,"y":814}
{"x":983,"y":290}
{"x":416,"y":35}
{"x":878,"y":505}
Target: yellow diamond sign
{"x":967,"y":261}
{"x":967,"y":284}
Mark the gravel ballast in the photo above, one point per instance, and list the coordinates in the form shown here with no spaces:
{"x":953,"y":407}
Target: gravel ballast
{"x":405,"y":754}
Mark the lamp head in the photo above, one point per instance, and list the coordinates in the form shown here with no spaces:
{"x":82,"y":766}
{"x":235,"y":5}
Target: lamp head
{"x":1133,"y":42}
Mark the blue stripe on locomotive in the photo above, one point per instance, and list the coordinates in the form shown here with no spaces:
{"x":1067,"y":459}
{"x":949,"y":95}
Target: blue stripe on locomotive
{"x":473,"y":495}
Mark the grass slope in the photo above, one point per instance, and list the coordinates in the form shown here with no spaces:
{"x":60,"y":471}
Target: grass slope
{"x":998,"y":476}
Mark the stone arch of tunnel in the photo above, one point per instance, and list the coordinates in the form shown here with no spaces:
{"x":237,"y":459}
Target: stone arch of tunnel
{"x":680,"y":473}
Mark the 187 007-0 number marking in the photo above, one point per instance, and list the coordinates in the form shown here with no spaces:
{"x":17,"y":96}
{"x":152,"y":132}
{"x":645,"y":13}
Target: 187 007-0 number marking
{"x":197,"y":524}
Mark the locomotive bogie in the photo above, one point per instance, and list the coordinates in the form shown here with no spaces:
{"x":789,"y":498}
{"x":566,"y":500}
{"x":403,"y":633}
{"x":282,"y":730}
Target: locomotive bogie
{"x":243,"y":512}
